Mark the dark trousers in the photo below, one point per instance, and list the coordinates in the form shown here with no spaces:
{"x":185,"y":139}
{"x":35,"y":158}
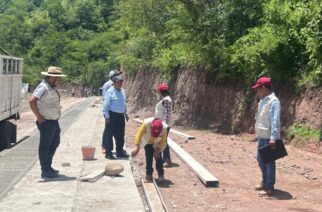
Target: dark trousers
{"x":104,"y":138}
{"x":149,"y":150}
{"x":115,"y":128}
{"x":49,"y":141}
{"x":166,"y":151}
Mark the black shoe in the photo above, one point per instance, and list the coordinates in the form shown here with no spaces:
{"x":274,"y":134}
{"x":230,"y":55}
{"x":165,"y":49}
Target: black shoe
{"x":48,"y":174}
{"x":54,"y":171}
{"x":110,"y":156}
{"x":122,"y":155}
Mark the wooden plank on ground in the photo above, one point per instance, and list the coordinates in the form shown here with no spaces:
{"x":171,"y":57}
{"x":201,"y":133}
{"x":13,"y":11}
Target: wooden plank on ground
{"x":153,"y":197}
{"x":138,"y":121}
{"x":204,"y":175}
{"x":93,"y":176}
{"x":188,"y":137}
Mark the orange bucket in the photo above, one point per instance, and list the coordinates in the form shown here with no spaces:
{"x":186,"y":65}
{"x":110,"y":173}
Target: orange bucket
{"x":88,"y":152}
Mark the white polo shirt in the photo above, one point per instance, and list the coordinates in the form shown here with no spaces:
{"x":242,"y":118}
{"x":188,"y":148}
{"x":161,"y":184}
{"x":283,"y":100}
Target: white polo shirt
{"x":48,"y":101}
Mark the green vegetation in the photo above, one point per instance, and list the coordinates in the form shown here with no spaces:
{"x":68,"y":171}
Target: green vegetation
{"x":244,"y":39}
{"x":304,"y":132}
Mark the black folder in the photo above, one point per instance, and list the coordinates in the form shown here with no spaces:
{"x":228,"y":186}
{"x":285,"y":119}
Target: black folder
{"x":268,"y":155}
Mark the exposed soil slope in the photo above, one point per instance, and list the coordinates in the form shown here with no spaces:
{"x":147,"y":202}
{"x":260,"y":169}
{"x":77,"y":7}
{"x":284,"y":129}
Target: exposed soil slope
{"x":201,"y":101}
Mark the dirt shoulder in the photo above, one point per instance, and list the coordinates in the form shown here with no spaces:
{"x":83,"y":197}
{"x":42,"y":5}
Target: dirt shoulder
{"x":232,"y":159}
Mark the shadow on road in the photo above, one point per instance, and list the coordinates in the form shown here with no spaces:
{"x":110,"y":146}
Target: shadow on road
{"x":164,"y":183}
{"x":282,"y":195}
{"x":60,"y":177}
{"x":172,"y":165}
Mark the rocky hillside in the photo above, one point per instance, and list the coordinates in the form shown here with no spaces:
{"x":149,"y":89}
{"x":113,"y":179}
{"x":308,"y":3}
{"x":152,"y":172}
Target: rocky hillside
{"x":201,"y":101}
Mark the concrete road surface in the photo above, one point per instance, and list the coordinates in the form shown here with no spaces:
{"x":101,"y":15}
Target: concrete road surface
{"x":67,"y":193}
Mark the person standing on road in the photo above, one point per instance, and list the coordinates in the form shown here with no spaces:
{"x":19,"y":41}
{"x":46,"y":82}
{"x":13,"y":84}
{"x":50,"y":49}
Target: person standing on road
{"x":267,"y":129}
{"x":45,"y":104}
{"x":163,"y":111}
{"x":115,"y":113}
{"x":86,"y":92}
{"x":152,"y":135}
{"x":107,"y":85}
{"x":73,"y":92}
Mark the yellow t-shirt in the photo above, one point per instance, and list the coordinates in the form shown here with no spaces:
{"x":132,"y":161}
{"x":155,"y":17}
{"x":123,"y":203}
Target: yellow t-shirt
{"x":152,"y":139}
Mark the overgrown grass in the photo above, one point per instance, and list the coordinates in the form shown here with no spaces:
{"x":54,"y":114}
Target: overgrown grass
{"x":303,"y":131}
{"x":300,"y":134}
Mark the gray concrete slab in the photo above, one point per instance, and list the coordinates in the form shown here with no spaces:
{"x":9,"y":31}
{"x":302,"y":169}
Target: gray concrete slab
{"x":67,"y":193}
{"x":22,"y":157}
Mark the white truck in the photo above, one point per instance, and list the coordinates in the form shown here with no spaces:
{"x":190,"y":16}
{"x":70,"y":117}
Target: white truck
{"x":10,"y":92}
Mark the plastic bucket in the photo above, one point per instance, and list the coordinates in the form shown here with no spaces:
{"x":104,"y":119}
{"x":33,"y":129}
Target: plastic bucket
{"x":88,"y":152}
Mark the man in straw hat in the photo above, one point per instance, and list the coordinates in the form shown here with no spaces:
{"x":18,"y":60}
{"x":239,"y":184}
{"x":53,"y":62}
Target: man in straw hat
{"x":45,"y":104}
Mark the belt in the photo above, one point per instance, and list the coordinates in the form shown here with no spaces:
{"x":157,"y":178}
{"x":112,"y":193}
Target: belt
{"x":115,"y":113}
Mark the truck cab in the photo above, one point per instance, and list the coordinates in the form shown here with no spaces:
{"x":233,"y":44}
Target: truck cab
{"x":10,"y":92}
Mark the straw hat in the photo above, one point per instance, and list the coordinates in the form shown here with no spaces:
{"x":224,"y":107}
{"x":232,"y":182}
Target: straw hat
{"x":54,"y":71}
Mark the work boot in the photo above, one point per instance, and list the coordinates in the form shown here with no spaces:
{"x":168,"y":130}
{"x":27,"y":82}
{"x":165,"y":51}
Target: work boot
{"x":48,"y":174}
{"x":161,"y":177}
{"x":148,"y":178}
{"x":260,"y":187}
{"x":267,"y":192}
{"x":54,"y":171}
{"x":110,"y":156}
{"x":122,"y":154}
{"x":167,"y":163}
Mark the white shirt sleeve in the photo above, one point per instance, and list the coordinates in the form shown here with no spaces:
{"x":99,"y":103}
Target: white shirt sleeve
{"x":39,"y":91}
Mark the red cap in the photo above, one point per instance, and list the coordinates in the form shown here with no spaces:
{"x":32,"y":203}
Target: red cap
{"x":163,"y":87}
{"x":156,"y":127}
{"x":262,"y":81}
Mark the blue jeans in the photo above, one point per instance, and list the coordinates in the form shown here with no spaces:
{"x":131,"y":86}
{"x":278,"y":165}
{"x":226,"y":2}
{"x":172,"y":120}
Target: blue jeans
{"x":49,"y":141}
{"x":268,"y":170}
{"x":166,"y":151}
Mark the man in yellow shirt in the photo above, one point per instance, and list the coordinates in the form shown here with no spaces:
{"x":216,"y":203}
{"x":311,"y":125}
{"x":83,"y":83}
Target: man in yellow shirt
{"x":152,"y":135}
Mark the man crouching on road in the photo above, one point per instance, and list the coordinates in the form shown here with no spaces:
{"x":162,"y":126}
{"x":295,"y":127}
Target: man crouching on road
{"x":267,"y":130}
{"x":152,"y":135}
{"x":45,"y":104}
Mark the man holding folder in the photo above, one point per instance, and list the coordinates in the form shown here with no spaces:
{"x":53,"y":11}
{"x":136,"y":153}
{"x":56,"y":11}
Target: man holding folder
{"x":267,"y":129}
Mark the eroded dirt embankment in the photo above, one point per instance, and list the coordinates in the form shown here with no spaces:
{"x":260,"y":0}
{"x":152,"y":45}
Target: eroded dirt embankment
{"x":201,"y":101}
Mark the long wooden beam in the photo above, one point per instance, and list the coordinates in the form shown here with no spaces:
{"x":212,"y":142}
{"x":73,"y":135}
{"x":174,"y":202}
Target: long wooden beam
{"x":186,"y":136}
{"x":153,"y":197}
{"x":204,"y":175}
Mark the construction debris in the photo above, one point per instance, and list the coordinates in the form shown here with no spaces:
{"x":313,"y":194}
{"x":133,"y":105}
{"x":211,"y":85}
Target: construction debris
{"x":113,"y":168}
{"x":93,"y":176}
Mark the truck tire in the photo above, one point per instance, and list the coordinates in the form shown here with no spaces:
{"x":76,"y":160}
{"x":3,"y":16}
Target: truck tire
{"x":8,"y":134}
